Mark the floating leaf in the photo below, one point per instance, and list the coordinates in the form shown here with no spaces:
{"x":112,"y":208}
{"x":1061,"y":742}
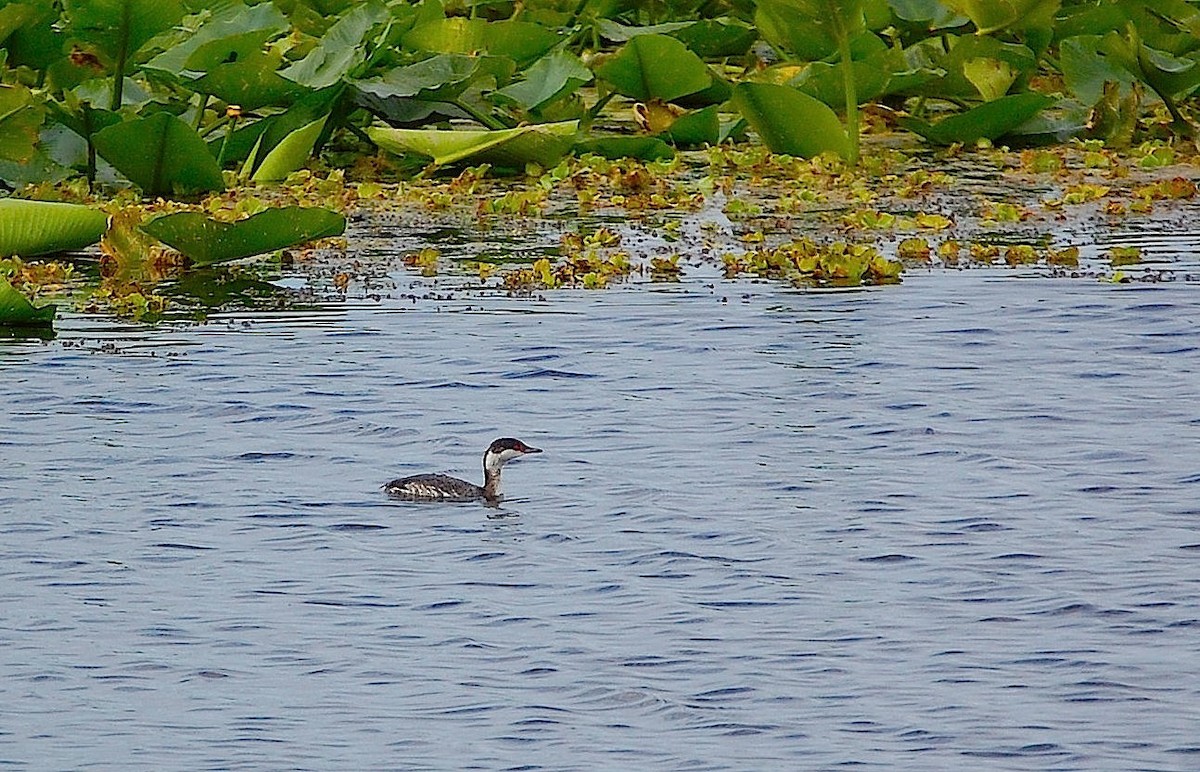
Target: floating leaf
{"x":20,"y":120}
{"x":701,"y":127}
{"x":161,"y":154}
{"x":789,"y":121}
{"x":17,"y":311}
{"x":993,"y":15}
{"x":290,"y":154}
{"x":207,"y":241}
{"x":230,"y":35}
{"x":114,"y":30}
{"x":341,"y":49}
{"x":523,"y":42}
{"x":29,"y":228}
{"x":655,"y":67}
{"x":988,"y":121}
{"x":250,"y":82}
{"x":642,"y":148}
{"x":550,"y":78}
{"x":543,"y":143}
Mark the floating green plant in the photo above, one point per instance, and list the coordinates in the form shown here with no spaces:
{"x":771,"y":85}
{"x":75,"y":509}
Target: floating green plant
{"x":16,"y":310}
{"x":807,"y":263}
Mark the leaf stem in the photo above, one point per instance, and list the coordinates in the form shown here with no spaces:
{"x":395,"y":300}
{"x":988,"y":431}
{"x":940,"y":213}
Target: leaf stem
{"x":842,"y":32}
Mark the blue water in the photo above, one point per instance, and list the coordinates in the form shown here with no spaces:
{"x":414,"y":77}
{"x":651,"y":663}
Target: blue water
{"x":953,"y":524}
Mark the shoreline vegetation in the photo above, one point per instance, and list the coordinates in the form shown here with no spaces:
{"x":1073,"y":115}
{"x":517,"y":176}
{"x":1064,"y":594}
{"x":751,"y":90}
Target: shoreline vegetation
{"x":168,"y":158}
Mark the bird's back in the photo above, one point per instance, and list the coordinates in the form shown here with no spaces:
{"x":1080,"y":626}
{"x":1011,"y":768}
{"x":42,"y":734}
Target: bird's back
{"x":433,"y":487}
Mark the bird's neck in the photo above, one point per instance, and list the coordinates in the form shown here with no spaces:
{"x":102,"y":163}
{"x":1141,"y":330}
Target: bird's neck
{"x":491,"y":481}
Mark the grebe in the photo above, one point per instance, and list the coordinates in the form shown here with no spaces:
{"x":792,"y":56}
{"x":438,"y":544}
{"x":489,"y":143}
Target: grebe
{"x":441,"y":487}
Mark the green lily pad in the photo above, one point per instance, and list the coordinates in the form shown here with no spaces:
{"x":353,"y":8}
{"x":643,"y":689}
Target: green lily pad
{"x":523,"y":42}
{"x":655,"y":67}
{"x":789,"y":121}
{"x":987,"y":121}
{"x":206,"y":241}
{"x":698,"y":128}
{"x":341,"y":50}
{"x":17,"y":311}
{"x":543,"y":143}
{"x":615,"y":147}
{"x":20,"y":121}
{"x":290,"y":154}
{"x":161,"y":154}
{"x":29,"y":228}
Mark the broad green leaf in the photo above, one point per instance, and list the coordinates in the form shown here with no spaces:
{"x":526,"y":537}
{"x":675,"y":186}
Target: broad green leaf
{"x":341,"y":50}
{"x":207,"y":241}
{"x":551,"y":77}
{"x":523,"y":42}
{"x":881,"y":73}
{"x":809,"y":28}
{"x":17,"y":311}
{"x":29,"y":228}
{"x":543,"y":143}
{"x":313,"y":106}
{"x":988,"y":121}
{"x":932,"y":14}
{"x":655,"y":67}
{"x":251,"y":82}
{"x":230,"y":35}
{"x":439,"y":78}
{"x":642,"y":148}
{"x":717,"y":93}
{"x":38,"y":42}
{"x":161,"y":154}
{"x":290,"y":154}
{"x":617,"y":32}
{"x":966,"y":48}
{"x":717,"y":38}
{"x":1080,"y":20}
{"x":13,"y":17}
{"x":994,"y":15}
{"x":406,"y":112}
{"x":116,"y":29}
{"x":21,"y":118}
{"x":790,"y":122}
{"x":992,"y":77}
{"x":697,"y":128}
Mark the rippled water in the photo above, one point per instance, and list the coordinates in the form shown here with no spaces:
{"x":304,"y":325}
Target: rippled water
{"x":947,"y":525}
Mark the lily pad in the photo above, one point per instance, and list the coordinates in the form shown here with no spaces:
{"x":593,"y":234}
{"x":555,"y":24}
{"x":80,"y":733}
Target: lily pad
{"x":161,"y":154}
{"x":987,"y":121}
{"x":655,"y":67}
{"x":206,"y":241}
{"x":29,"y":228}
{"x":523,"y":42}
{"x":17,"y":311}
{"x":543,"y":143}
{"x":341,"y":50}
{"x":789,"y":121}
{"x":290,"y":154}
{"x":615,"y":147}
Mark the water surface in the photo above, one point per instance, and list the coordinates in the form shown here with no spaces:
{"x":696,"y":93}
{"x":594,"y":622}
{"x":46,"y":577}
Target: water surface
{"x":946,"y":525}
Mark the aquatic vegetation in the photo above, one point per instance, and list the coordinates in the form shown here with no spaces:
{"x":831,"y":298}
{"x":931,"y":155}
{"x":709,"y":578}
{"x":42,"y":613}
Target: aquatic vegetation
{"x":804,"y":262}
{"x":17,"y":310}
{"x":171,"y":94}
{"x":811,"y":119}
{"x":29,"y":228}
{"x":204,"y":240}
{"x":1125,"y":256}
